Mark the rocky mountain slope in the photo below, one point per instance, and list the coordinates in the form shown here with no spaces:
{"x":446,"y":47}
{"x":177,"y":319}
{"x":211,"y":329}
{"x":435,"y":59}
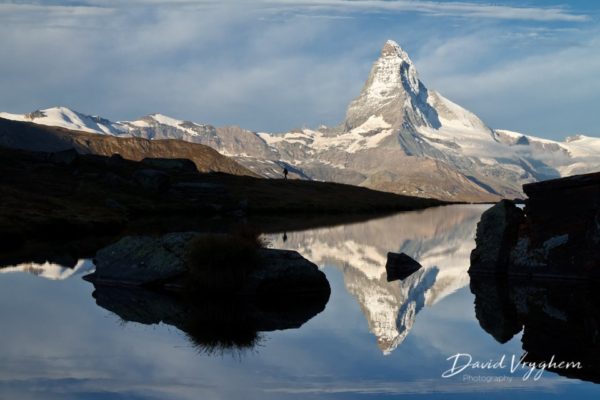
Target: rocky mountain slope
{"x":397,"y":136}
{"x":28,"y":136}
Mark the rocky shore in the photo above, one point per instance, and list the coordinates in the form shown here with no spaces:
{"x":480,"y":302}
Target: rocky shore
{"x":556,"y":235}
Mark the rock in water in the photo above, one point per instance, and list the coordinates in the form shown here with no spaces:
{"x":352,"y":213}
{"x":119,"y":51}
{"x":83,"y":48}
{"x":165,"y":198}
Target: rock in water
{"x":400,"y":266}
{"x":284,"y":273}
{"x":142,"y":260}
{"x":162,"y":263}
{"x":496,"y":233}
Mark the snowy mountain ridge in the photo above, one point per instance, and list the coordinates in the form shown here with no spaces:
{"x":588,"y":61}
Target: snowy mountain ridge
{"x":397,"y":136}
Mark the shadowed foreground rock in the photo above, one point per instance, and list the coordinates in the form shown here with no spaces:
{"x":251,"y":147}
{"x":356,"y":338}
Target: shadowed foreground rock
{"x":557,"y":235}
{"x":163,"y":263}
{"x":560,"y":321}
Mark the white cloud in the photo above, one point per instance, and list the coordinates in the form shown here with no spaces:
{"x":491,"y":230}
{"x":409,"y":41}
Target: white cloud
{"x":464,"y":9}
{"x":552,"y":92}
{"x":271,"y":65}
{"x":450,"y":8}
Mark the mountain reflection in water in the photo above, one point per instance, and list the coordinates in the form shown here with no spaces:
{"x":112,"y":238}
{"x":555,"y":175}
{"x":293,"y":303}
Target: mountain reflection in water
{"x":61,"y":341}
{"x":440,"y":239}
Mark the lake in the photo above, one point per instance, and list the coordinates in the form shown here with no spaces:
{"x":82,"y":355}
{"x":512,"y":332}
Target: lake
{"x":374,"y":339}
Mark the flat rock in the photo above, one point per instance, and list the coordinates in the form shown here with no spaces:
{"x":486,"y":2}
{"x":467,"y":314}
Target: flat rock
{"x":142,"y":260}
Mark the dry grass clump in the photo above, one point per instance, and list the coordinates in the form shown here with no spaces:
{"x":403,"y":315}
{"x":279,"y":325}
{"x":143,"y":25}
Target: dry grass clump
{"x":221,"y":262}
{"x":222,"y":326}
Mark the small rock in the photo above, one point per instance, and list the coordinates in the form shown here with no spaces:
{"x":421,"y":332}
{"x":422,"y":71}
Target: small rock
{"x":400,"y":266}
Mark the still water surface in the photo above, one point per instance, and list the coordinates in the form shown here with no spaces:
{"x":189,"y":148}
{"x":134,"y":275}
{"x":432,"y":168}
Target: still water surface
{"x":375,"y":339}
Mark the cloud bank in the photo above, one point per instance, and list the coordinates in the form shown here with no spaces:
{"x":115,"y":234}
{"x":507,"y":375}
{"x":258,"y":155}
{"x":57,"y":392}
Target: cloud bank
{"x":277,"y":65}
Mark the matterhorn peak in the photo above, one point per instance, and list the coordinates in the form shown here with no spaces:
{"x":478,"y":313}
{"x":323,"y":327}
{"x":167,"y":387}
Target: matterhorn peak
{"x":393,"y":91}
{"x":393,"y":49}
{"x":399,"y":66}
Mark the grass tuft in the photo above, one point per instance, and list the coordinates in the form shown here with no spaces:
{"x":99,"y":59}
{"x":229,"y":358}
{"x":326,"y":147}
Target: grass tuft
{"x":219,"y":262}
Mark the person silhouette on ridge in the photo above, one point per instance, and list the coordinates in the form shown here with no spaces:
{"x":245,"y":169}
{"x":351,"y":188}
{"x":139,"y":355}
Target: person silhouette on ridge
{"x":285,"y":173}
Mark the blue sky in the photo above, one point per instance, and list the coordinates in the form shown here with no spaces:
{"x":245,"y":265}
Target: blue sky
{"x":269,"y":65}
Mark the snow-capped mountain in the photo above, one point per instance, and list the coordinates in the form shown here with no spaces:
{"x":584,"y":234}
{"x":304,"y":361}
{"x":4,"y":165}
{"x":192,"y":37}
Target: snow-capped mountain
{"x":232,"y":141}
{"x":397,"y":136}
{"x":440,"y":239}
{"x":66,"y":118}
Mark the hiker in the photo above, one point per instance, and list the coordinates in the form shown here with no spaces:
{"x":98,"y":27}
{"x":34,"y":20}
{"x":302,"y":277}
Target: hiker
{"x":285,"y":172}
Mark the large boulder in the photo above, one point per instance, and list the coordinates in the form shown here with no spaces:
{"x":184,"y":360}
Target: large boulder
{"x":556,"y":236}
{"x":561,"y":234}
{"x":497,"y":232}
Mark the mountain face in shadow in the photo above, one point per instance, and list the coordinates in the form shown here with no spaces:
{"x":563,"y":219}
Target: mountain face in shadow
{"x":213,"y":324}
{"x":560,"y":322}
{"x":440,"y":239}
